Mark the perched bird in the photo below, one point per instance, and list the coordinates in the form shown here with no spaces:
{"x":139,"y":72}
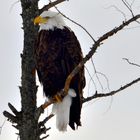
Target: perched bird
{"x":57,"y":53}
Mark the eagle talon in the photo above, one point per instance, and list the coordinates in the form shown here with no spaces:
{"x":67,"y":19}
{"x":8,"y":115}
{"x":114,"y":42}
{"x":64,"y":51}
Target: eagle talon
{"x":58,"y":98}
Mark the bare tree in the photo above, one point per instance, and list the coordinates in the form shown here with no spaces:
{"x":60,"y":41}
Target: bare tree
{"x":26,"y":121}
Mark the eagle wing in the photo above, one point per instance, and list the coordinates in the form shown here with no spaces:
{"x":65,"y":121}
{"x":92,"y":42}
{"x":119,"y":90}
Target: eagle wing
{"x":57,"y":53}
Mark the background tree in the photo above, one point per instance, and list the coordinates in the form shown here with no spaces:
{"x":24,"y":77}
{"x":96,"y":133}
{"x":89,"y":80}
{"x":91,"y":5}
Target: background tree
{"x":27,"y":119}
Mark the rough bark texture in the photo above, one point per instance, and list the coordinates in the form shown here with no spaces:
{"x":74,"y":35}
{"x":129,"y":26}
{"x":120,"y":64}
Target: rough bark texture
{"x":28,"y":129}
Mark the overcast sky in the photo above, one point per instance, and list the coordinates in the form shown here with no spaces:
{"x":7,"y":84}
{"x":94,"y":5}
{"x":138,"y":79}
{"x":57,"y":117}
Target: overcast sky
{"x":116,"y":117}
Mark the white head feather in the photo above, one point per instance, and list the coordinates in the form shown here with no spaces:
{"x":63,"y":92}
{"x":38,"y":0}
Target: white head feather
{"x":54,"y":20}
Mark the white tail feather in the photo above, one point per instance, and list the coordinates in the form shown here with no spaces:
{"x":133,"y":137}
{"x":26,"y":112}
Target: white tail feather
{"x":62,"y":111}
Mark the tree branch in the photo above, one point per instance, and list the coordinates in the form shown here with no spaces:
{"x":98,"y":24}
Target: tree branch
{"x":45,"y":120}
{"x":51,"y":4}
{"x":13,"y":109}
{"x":10,"y":117}
{"x":95,"y":46}
{"x":131,"y":63}
{"x":43,"y":130}
{"x":99,"y":95}
{"x":45,"y":137}
{"x":96,"y":95}
{"x":40,"y":109}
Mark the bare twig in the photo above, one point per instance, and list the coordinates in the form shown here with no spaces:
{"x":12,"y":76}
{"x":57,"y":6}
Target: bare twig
{"x":128,"y":6}
{"x":117,"y":9}
{"x":74,"y":23}
{"x":45,"y":120}
{"x":2,"y":126}
{"x":131,"y":28}
{"x":51,"y":4}
{"x":44,"y":137}
{"x":13,"y":5}
{"x":91,"y":79}
{"x":10,"y":117}
{"x":96,"y":74}
{"x":13,"y":109}
{"x":43,"y":130}
{"x":131,"y":62}
{"x":78,"y":25}
{"x":99,"y":95}
{"x":107,"y":80}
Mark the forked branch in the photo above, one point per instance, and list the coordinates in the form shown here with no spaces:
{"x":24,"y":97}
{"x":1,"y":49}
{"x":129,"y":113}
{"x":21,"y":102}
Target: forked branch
{"x":99,"y":95}
{"x":96,"y":95}
{"x":94,"y":48}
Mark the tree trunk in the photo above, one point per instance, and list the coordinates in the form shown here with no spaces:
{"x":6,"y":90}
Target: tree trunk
{"x":28,"y":129}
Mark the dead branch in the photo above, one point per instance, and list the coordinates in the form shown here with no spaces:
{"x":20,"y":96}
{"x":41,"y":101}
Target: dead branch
{"x":42,"y":123}
{"x":131,"y":63}
{"x":43,"y":130}
{"x":94,"y":48}
{"x":96,"y":74}
{"x":128,"y":6}
{"x":51,"y":4}
{"x":13,"y":109}
{"x":99,"y":95}
{"x":40,"y":110}
{"x":96,"y":95}
{"x":10,"y":117}
{"x":91,"y":79}
{"x":45,"y":137}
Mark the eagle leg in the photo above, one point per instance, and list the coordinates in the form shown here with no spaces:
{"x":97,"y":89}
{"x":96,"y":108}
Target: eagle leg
{"x":57,"y":98}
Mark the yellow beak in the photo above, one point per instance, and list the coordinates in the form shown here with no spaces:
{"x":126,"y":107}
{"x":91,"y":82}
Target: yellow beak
{"x":39,"y":20}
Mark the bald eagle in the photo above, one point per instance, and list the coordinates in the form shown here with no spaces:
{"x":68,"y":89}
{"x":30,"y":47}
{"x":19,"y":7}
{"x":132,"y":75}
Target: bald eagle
{"x":57,"y":53}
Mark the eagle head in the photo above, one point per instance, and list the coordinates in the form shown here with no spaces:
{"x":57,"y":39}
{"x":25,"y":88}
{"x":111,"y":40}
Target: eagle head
{"x":49,"y":20}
